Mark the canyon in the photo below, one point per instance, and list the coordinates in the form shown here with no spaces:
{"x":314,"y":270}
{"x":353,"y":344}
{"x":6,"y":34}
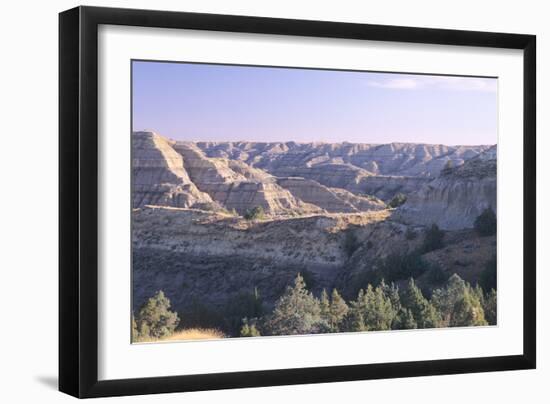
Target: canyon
{"x":194,"y":234}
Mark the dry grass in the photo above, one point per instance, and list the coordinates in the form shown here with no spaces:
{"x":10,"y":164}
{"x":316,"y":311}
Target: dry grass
{"x":194,"y":334}
{"x":190,"y":334}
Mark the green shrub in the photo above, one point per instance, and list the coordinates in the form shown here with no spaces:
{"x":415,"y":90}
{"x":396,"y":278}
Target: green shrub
{"x":486,"y":223}
{"x":433,"y":239}
{"x":249,"y":330}
{"x":397,"y":200}
{"x":256,"y":213}
{"x":296,"y":312}
{"x":404,"y":320}
{"x":154,"y":319}
{"x":459,"y":304}
{"x":399,"y":266}
{"x":241,"y":305}
{"x":333,"y":310}
{"x":424,"y":313}
{"x":490,"y":307}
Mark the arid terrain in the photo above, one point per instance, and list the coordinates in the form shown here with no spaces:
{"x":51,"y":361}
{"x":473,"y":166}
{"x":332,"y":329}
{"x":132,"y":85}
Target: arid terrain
{"x":213,"y":221}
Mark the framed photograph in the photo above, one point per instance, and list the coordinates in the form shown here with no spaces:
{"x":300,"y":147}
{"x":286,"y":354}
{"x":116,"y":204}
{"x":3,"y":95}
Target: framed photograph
{"x":251,"y":201}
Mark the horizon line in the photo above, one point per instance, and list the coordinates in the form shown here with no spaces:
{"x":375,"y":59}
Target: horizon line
{"x":312,"y":142}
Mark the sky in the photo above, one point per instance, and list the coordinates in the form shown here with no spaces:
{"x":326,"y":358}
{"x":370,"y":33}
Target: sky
{"x":205,"y":102}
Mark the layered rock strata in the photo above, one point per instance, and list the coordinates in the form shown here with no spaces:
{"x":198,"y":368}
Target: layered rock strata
{"x":158,"y":175}
{"x":457,"y":197}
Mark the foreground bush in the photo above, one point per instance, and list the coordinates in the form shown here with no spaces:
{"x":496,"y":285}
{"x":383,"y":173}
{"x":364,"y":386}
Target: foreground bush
{"x":490,"y":307}
{"x":249,"y":330}
{"x":296,"y":312}
{"x":154,"y":319}
{"x":333,"y":310}
{"x":459,"y":304}
{"x":425,"y":315}
{"x":371,"y":311}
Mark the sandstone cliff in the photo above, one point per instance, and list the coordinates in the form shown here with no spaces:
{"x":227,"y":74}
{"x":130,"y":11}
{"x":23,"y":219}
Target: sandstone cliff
{"x":457,"y":197}
{"x":378,"y":170}
{"x":158,"y":176}
{"x":330,"y":199}
{"x":237,"y":186}
{"x":397,"y":159}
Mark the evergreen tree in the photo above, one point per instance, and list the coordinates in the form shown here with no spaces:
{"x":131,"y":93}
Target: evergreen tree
{"x":424,"y":313}
{"x":378,"y":309}
{"x":468,"y":312}
{"x":459,"y":304}
{"x":372,"y":310}
{"x":391,"y":292}
{"x":333,"y":310}
{"x":155,"y":320}
{"x":135,"y":333}
{"x":446,"y":298}
{"x":478,"y":292}
{"x":490,"y":307}
{"x":354,"y":320}
{"x":324,"y":305}
{"x":404,"y":320}
{"x":296,"y":312}
{"x":338,"y":310}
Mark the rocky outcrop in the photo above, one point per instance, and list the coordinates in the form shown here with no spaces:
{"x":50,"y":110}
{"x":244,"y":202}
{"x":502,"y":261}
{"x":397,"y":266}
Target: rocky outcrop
{"x":158,"y":176}
{"x":237,"y":186}
{"x":330,"y":199}
{"x":377,"y":170}
{"x":344,"y":176}
{"x":386,"y":187}
{"x":457,"y":197}
{"x":393,"y":159}
{"x":211,"y":256}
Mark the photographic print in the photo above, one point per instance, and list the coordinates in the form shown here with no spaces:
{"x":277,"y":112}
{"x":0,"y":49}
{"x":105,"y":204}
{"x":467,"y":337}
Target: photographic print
{"x":280,"y":201}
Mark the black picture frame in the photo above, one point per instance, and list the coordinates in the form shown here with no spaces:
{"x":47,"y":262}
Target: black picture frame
{"x":78,"y":201}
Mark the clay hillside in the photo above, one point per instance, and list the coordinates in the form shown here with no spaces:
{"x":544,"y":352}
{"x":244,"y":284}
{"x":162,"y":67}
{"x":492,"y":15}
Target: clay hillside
{"x":214,"y":219}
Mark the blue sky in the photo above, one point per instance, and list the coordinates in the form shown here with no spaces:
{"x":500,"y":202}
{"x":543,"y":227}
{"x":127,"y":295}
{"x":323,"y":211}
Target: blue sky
{"x":203,"y":102}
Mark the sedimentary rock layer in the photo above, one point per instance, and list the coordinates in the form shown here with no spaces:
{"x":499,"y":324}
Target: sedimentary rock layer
{"x":237,"y":186}
{"x":330,"y":199}
{"x":158,"y":176}
{"x":457,"y":197}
